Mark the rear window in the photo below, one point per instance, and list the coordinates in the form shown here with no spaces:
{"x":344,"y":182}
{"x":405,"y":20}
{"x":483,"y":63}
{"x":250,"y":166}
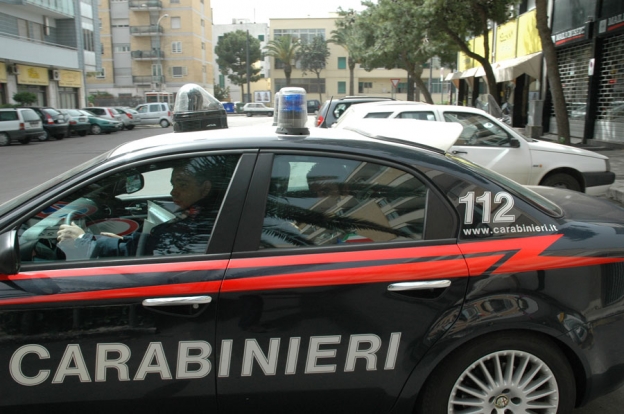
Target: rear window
{"x":30,"y":115}
{"x":51,"y":112}
{"x":8,"y":116}
{"x":378,"y":115}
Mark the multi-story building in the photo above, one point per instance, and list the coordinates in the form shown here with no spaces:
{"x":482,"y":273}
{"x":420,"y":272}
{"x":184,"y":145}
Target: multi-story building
{"x":47,"y":48}
{"x":334,"y":79}
{"x":150,"y":48}
{"x":259,"y":31}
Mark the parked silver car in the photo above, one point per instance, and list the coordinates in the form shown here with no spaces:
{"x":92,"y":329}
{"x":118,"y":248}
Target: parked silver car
{"x":155,"y":113}
{"x":129,"y":117}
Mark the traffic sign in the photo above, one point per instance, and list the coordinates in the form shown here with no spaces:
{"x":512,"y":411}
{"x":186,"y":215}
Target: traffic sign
{"x":395,"y":82}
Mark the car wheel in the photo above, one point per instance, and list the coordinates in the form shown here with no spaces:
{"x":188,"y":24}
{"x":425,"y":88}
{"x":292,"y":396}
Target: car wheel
{"x":59,"y":136}
{"x":248,"y":113}
{"x":130,"y":127}
{"x":24,"y":141}
{"x":96,"y":129}
{"x":164,"y":123}
{"x":270,"y":113}
{"x":45,"y":135}
{"x":503,"y":372}
{"x":82,"y":133}
{"x":561,"y":180}
{"x":4,"y":139}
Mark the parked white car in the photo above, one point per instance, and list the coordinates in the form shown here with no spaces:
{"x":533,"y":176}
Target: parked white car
{"x":492,"y":144}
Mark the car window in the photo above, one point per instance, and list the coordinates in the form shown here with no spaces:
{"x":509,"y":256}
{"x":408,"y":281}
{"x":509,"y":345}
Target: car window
{"x":422,"y":115}
{"x":30,"y":115}
{"x":165,"y":208}
{"x":478,"y":130}
{"x":154,"y":108}
{"x":339,"y":109}
{"x":51,"y":112}
{"x":378,"y":114}
{"x":321,"y":201}
{"x":9,"y":116}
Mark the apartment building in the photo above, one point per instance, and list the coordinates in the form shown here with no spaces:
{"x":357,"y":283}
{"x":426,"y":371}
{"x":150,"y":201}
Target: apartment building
{"x":334,"y":80}
{"x":150,"y":48}
{"x":47,"y":48}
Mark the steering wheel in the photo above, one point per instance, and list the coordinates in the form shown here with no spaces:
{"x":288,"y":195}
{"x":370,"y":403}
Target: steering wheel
{"x":69,"y":216}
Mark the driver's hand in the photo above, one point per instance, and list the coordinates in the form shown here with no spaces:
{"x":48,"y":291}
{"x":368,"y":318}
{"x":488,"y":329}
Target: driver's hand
{"x":69,"y":232}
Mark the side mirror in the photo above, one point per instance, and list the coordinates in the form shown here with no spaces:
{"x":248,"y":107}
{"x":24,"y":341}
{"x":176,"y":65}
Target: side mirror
{"x":134,"y":182}
{"x":514,"y":143}
{"x":9,"y":260}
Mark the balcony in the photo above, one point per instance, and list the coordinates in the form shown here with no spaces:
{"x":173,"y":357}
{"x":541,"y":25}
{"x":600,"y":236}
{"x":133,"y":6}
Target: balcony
{"x":144,"y":5}
{"x":153,"y":54}
{"x":147,"y":80}
{"x":22,"y":49}
{"x":151,"y":30}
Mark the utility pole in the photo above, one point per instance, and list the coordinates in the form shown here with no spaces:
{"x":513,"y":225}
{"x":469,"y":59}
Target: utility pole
{"x":248,"y":71}
{"x":159,"y":51}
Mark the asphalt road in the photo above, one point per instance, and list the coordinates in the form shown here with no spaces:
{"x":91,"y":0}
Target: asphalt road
{"x":26,"y":166}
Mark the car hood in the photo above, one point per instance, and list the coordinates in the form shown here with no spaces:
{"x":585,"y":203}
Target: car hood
{"x":546,"y":146}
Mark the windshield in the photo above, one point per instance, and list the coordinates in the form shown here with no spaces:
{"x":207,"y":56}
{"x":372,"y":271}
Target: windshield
{"x":519,"y":190}
{"x":22,"y":199}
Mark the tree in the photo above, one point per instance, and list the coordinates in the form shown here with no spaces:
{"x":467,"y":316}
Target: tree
{"x":346,"y":36}
{"x":313,"y":58}
{"x":25,"y":98}
{"x":283,"y":49}
{"x":232,"y":50}
{"x":459,"y":20}
{"x":394,"y":34}
{"x":222,"y":94}
{"x":554,"y":78}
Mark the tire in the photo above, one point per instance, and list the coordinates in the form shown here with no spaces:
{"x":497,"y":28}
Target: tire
{"x":5,"y":139}
{"x":248,"y":114}
{"x":561,"y":180}
{"x":446,"y":388}
{"x":164,"y":123}
{"x":130,"y":127}
{"x":24,"y":141}
{"x":270,"y":113}
{"x":44,"y":136}
{"x":82,"y":133}
{"x":96,"y":129}
{"x":59,"y":137}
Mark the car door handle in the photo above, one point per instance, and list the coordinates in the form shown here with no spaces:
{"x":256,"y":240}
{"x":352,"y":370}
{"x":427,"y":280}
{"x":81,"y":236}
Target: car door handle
{"x":459,"y":152}
{"x":188,"y":300}
{"x":429,"y":284}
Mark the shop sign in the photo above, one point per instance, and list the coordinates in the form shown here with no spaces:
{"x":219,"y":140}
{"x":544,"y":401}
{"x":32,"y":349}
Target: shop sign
{"x":570,"y":36}
{"x":32,"y":75}
{"x":70,"y":79}
{"x":611,"y":24}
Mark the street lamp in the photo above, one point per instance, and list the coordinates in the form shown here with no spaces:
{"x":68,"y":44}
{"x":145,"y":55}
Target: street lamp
{"x":159,"y":51}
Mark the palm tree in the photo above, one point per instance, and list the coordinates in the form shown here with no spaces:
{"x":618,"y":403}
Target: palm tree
{"x":284,"y":48}
{"x":344,"y":36}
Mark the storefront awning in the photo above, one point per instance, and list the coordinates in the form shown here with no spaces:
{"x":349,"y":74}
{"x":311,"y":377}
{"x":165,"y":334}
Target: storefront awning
{"x":508,"y":70}
{"x":468,"y":73}
{"x":453,"y":76}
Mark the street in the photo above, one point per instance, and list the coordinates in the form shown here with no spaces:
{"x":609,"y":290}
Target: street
{"x":26,"y":166}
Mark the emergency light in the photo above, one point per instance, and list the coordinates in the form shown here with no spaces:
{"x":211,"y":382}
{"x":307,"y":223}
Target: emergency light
{"x":292,"y":112}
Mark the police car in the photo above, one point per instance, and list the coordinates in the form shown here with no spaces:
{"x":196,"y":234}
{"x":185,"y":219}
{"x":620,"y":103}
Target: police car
{"x":339,"y":271}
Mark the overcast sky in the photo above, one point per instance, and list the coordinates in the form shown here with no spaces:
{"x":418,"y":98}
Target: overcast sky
{"x":260,"y":11}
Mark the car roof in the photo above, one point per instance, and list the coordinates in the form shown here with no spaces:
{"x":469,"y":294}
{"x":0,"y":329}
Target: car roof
{"x":376,"y":136}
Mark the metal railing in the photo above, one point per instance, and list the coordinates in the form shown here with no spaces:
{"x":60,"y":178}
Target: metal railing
{"x":147,"y":54}
{"x":144,"y":5}
{"x":147,"y":80}
{"x":146,"y":30}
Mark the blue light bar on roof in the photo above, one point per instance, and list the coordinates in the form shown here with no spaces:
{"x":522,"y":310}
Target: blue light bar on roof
{"x":292,"y":112}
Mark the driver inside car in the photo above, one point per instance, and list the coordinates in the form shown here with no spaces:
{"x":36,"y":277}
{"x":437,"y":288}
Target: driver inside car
{"x":198,"y":188}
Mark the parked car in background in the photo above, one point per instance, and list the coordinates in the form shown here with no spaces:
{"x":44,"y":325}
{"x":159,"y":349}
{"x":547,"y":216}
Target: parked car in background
{"x":99,"y":125}
{"x":155,"y":113}
{"x":54,"y":123}
{"x":129,"y":117}
{"x":106,"y":112}
{"x":313,"y":105}
{"x":332,"y":109}
{"x":78,"y":121}
{"x":251,"y":109}
{"x":19,"y":124}
{"x":491,"y":143}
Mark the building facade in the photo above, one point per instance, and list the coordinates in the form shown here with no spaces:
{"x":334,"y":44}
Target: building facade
{"x":47,"y":49}
{"x":334,"y":79}
{"x":259,"y":31}
{"x":150,"y":48}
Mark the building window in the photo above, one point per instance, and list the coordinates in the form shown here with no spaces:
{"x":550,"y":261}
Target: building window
{"x":178,"y":71}
{"x":261,"y":38}
{"x":87,"y":36}
{"x":176,"y":47}
{"x":364,"y":85}
{"x":342,"y":87}
{"x":176,"y":23}
{"x":202,"y":23}
{"x":174,"y":1}
{"x":342,"y":63}
{"x":203,"y":46}
{"x":122,"y":48}
{"x":101,"y":74}
{"x":305,"y":35}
